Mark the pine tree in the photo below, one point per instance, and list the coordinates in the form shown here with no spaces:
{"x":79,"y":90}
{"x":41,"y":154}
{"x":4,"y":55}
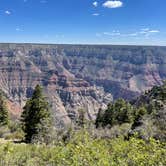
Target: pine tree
{"x":4,"y":119}
{"x":116,"y":113}
{"x":99,"y":118}
{"x":36,"y":118}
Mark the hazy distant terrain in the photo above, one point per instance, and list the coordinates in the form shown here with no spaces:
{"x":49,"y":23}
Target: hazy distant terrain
{"x":79,"y":76}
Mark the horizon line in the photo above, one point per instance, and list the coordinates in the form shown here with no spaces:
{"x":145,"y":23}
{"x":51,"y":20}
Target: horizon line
{"x":81,"y":44}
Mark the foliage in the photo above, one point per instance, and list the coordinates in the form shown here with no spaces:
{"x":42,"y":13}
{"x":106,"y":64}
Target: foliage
{"x":138,"y":114}
{"x":151,"y":117}
{"x":146,"y":114}
{"x":36,"y":118}
{"x":154,"y":99}
{"x":99,"y":118}
{"x":83,"y":150}
{"x":4,"y":118}
{"x":12,"y":132}
{"x":90,"y":146}
{"x":117,"y":113}
{"x":4,"y":131}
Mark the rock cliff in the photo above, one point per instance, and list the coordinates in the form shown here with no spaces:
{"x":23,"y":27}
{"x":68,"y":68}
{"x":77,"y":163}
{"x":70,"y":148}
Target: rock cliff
{"x":79,"y":76}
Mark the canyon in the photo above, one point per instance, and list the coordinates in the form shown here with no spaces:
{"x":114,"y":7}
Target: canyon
{"x":76,"y":77}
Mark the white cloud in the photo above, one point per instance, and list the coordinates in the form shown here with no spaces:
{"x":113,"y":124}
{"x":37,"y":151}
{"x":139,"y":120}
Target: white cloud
{"x":154,"y":31}
{"x":143,"y":32}
{"x":113,"y":4}
{"x":95,"y":14}
{"x":112,"y":34}
{"x":95,"y":4}
{"x":18,"y":29}
{"x":147,"y":31}
{"x":7,"y":12}
{"x":133,"y":34}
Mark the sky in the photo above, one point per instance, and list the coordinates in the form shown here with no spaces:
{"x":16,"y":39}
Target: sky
{"x":124,"y":22}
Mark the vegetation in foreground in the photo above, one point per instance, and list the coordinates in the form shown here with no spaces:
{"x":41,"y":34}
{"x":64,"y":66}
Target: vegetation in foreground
{"x":83,"y":150}
{"x":122,"y":136}
{"x":146,"y":114}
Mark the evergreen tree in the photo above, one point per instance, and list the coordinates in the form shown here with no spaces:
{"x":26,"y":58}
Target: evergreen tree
{"x":99,"y":118}
{"x":36,"y":118}
{"x":118,"y":112}
{"x":138,"y":114}
{"x":3,"y":111}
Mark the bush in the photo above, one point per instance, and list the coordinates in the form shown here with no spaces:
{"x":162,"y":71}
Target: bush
{"x":83,"y":150}
{"x":4,"y":130}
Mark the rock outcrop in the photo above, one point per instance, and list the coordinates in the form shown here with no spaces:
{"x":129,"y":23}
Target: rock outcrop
{"x":79,"y":76}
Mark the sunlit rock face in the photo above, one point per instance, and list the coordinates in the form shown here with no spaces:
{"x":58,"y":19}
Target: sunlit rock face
{"x":78,"y":77}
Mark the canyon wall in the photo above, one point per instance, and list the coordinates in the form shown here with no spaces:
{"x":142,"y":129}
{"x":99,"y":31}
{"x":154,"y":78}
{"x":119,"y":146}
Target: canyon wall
{"x":78,"y":77}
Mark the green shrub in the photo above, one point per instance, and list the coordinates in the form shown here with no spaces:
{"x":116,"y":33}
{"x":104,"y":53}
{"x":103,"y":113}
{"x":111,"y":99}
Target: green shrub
{"x":83,"y":150}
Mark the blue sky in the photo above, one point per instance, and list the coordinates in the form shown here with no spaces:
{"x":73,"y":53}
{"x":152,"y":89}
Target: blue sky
{"x":141,"y":22}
